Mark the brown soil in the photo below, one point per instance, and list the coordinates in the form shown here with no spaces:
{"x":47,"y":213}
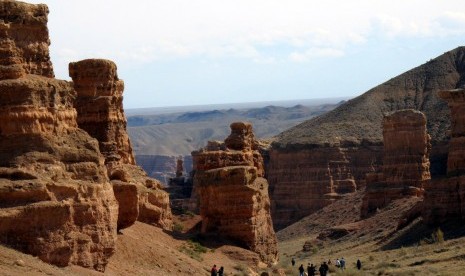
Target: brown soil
{"x":143,"y":249}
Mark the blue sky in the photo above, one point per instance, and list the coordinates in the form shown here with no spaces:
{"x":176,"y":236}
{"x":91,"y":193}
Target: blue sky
{"x":188,"y":52}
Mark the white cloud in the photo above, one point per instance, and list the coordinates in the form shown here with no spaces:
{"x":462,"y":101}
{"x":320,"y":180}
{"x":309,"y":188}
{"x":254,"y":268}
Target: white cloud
{"x":147,"y":30}
{"x":315,"y":53}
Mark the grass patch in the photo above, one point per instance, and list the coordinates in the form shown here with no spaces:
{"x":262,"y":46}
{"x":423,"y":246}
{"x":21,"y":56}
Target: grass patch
{"x":194,"y":250}
{"x":382,"y":265}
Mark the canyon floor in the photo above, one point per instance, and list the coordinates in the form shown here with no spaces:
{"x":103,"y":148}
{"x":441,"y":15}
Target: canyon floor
{"x":383,"y":244}
{"x":336,"y":231}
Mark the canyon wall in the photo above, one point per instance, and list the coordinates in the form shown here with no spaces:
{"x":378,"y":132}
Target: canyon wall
{"x":305,"y":180}
{"x":350,"y":138}
{"x":100,"y":112}
{"x":56,"y":201}
{"x":406,"y":167}
{"x":233,"y":195}
{"x":444,"y":197}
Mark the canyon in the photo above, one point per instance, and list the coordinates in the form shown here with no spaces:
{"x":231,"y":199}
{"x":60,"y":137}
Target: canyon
{"x":309,"y":162}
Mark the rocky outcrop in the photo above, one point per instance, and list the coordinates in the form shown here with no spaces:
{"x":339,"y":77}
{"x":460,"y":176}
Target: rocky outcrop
{"x":444,"y":197}
{"x":353,"y":128}
{"x":56,"y":201}
{"x":100,"y":111}
{"x":405,"y":169}
{"x":232,"y":193}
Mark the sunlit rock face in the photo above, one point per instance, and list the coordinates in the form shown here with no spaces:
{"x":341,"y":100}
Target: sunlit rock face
{"x":406,"y":167}
{"x":233,"y":194}
{"x":100,"y":111}
{"x":56,"y":201}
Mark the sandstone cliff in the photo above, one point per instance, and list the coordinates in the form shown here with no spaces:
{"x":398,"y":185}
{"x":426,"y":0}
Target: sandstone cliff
{"x":56,"y":201}
{"x":444,"y":196}
{"x":405,"y":169}
{"x":349,"y":136}
{"x":233,"y":194}
{"x":100,"y":111}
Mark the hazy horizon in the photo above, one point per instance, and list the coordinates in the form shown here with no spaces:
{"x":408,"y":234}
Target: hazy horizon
{"x":223,"y":106}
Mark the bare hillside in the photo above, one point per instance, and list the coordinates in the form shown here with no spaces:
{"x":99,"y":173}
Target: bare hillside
{"x":359,"y":119}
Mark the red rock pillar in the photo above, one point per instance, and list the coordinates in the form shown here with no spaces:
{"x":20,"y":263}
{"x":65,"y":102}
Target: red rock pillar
{"x":444,"y":197}
{"x":233,"y":194}
{"x":406,"y":165}
{"x":100,"y":107}
{"x":456,"y":158}
{"x":100,"y":111}
{"x":56,"y":201}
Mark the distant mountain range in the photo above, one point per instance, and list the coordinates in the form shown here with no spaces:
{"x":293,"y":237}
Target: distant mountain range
{"x":159,"y":136}
{"x":179,"y":133}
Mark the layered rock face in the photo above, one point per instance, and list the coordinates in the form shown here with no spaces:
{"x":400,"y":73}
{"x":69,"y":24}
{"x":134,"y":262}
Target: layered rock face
{"x":233,"y":194}
{"x":56,"y":201}
{"x":353,"y":128}
{"x":100,"y":111}
{"x":406,"y":167}
{"x":303,"y":181}
{"x":444,"y":196}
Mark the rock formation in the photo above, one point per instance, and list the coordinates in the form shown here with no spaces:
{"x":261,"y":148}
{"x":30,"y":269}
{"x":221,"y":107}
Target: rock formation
{"x":100,"y":111}
{"x":444,"y":196}
{"x":233,"y":194}
{"x":405,"y":168}
{"x":56,"y":201}
{"x":179,"y":167}
{"x":312,"y":185}
{"x":350,"y":136}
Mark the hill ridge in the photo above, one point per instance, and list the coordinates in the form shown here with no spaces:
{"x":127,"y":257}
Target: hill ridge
{"x":415,"y":88}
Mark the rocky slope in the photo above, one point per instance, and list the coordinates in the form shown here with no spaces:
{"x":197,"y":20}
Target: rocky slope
{"x":232,"y":193}
{"x":308,"y":160}
{"x":56,"y":201}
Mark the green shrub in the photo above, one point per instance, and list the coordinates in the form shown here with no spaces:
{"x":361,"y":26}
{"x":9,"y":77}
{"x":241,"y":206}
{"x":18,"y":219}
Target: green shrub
{"x":177,"y":227}
{"x":438,"y":236}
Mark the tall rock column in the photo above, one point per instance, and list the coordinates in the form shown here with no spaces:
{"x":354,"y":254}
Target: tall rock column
{"x":456,"y":157}
{"x":444,"y":197}
{"x":406,"y":165}
{"x":56,"y":201}
{"x":233,"y":194}
{"x":100,"y":111}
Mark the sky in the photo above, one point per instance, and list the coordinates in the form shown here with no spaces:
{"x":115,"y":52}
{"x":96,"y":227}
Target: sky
{"x":197,"y":52}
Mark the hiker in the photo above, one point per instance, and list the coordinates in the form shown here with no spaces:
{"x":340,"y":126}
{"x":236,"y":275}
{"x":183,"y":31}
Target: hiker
{"x":311,"y":270}
{"x":323,"y":269}
{"x":221,"y":271}
{"x":338,"y":263}
{"x":301,"y":270}
{"x":359,"y":264}
{"x":214,"y":271}
{"x":343,"y":263}
{"x":293,"y":261}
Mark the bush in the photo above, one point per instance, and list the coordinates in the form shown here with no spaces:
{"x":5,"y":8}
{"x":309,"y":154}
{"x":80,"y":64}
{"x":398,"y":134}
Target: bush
{"x":438,"y":236}
{"x":177,"y":227}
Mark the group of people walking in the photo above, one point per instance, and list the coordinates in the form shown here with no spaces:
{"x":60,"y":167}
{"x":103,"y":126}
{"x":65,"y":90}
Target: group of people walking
{"x":217,"y":272}
{"x":324,"y":267}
